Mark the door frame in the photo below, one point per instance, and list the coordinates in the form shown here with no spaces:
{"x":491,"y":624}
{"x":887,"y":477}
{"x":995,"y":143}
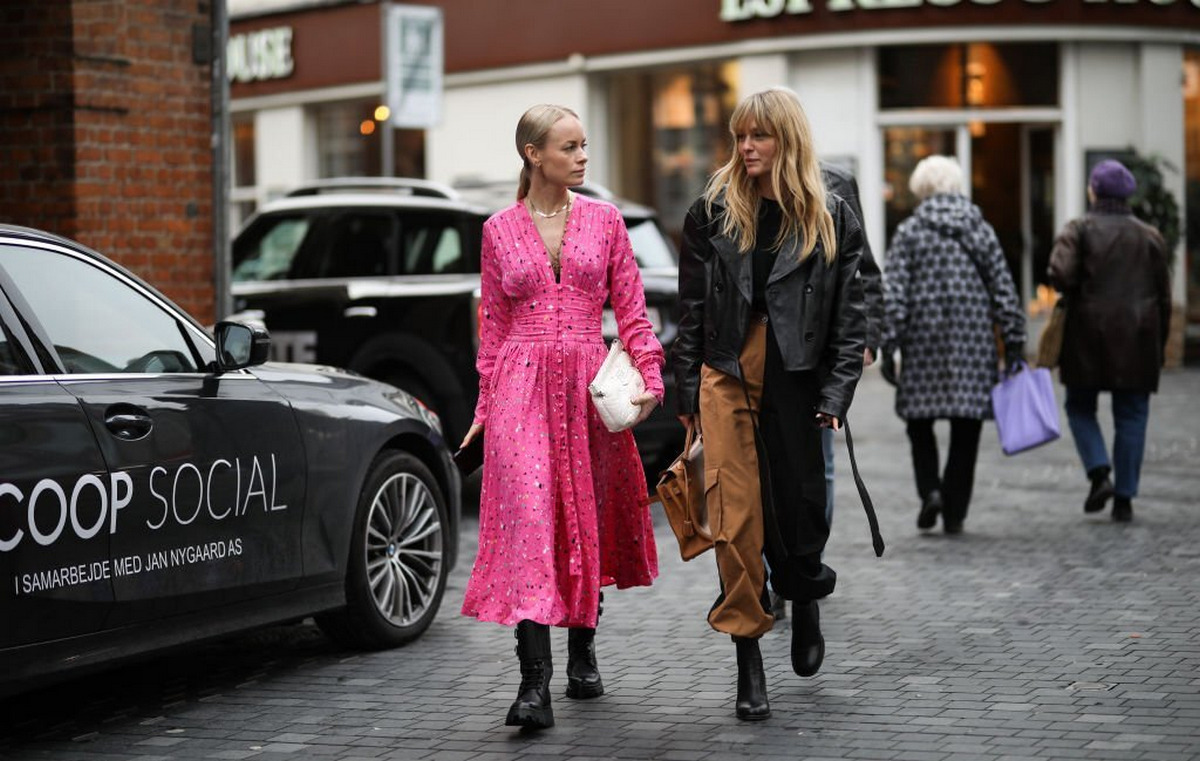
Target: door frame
{"x":960,"y":120}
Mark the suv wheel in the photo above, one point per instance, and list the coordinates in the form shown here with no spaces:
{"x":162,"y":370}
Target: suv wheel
{"x":397,"y":566}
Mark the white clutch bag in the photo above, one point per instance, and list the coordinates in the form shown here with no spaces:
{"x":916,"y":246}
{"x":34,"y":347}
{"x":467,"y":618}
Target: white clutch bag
{"x":616,"y":383}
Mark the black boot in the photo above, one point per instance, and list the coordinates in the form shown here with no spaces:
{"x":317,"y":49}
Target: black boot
{"x":752,"y":702}
{"x":583,"y":675}
{"x":1122,"y":509}
{"x":808,"y":645}
{"x":1101,"y":491}
{"x":532,"y":708}
{"x":931,"y":506}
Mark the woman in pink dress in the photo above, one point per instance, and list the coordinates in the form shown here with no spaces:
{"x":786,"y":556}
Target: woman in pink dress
{"x":564,"y":507}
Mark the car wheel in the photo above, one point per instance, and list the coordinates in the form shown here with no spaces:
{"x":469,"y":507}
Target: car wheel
{"x":397,"y":565}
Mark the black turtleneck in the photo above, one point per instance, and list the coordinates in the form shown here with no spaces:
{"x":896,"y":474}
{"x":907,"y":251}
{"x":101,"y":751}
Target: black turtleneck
{"x":770,"y":217}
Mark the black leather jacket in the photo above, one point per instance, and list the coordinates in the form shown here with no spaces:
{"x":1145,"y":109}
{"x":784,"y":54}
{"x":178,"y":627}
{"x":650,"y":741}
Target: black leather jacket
{"x":816,"y":310}
{"x":843,"y":183}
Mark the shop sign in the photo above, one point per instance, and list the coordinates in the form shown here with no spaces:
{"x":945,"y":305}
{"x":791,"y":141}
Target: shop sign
{"x":413,"y":65}
{"x":740,"y":10}
{"x":260,"y":55}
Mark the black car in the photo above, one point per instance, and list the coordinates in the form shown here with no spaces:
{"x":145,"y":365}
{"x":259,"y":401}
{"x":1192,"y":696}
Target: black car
{"x":159,"y":486}
{"x":381,"y":276}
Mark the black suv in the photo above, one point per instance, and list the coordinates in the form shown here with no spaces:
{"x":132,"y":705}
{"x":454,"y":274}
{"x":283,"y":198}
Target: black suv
{"x":381,"y":276}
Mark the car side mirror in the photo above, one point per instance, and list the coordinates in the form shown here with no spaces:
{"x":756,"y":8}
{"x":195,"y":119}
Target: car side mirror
{"x":240,"y":345}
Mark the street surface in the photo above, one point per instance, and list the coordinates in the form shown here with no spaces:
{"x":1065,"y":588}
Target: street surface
{"x":1040,"y":633}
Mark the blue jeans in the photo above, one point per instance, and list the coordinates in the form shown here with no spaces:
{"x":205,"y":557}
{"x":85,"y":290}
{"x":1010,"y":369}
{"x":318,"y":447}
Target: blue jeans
{"x":1131,"y":411}
{"x":827,"y":446}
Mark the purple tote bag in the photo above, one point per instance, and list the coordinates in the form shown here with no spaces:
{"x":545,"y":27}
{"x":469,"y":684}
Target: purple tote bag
{"x":1025,"y":408}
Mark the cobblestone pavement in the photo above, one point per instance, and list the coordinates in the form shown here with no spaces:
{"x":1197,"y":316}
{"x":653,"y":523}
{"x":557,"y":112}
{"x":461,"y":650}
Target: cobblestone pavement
{"x":1040,"y":633}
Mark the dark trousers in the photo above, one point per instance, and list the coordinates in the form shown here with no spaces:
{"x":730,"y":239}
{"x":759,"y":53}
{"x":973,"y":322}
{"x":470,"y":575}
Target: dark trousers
{"x":958,"y":479}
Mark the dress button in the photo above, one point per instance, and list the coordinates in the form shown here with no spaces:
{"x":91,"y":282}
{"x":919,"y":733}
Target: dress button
{"x":808,"y":288}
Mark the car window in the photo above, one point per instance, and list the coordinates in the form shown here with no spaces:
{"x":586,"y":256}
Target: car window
{"x":111,"y":328}
{"x":651,"y":248}
{"x":360,"y":244}
{"x":268,"y":251}
{"x":432,"y":245}
{"x":9,"y":362}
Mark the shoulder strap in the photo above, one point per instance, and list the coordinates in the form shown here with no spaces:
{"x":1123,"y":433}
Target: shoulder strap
{"x":770,"y":521}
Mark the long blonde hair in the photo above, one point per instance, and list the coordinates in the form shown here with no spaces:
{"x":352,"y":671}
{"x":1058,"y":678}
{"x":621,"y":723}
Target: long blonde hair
{"x":532,"y":129}
{"x":795,"y":177}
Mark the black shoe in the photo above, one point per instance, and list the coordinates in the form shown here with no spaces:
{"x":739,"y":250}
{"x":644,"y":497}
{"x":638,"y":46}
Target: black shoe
{"x":583,"y":675}
{"x":752,"y":704}
{"x":808,"y":646}
{"x":1101,"y":491}
{"x":1122,"y":509}
{"x":931,"y":506}
{"x":531,"y":709}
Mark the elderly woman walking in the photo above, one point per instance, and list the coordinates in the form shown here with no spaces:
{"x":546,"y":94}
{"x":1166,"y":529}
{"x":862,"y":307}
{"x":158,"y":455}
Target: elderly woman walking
{"x":1112,"y":269}
{"x":945,"y":284}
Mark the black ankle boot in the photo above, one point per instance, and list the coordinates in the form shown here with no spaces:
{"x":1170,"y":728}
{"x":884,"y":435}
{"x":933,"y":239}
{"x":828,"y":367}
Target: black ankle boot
{"x":583,"y":675}
{"x":1101,"y":491}
{"x":532,"y":708}
{"x":931,"y":506}
{"x":1122,"y":509}
{"x":752,"y":702}
{"x":808,"y":645}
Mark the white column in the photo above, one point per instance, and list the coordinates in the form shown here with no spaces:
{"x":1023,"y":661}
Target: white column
{"x":1161,"y":113}
{"x":279,"y":142}
{"x":758,"y":72}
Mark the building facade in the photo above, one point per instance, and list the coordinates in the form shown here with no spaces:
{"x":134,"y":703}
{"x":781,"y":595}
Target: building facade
{"x":1028,"y":94}
{"x":106,"y":134}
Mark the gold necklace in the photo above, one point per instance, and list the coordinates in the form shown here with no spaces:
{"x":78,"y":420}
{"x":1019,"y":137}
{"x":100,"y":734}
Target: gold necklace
{"x":550,"y":215}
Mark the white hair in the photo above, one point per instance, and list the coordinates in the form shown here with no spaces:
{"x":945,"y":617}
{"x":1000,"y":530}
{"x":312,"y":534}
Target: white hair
{"x":936,"y":174}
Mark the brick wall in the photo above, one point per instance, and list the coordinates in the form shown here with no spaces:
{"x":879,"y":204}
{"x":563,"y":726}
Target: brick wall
{"x":105,"y":134}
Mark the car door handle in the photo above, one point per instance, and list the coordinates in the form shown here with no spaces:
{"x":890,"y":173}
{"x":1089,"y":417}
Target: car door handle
{"x":127,"y":422}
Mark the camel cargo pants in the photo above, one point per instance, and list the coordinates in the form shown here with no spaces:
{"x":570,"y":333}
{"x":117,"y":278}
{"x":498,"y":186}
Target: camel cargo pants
{"x":733,"y":490}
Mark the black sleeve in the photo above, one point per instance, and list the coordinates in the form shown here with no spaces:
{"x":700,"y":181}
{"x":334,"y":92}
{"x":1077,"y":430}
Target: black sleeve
{"x":687,"y":353}
{"x":843,"y":184}
{"x":847,"y":325}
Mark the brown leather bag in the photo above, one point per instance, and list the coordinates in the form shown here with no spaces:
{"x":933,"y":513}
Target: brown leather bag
{"x":1050,"y":344}
{"x":681,"y":491}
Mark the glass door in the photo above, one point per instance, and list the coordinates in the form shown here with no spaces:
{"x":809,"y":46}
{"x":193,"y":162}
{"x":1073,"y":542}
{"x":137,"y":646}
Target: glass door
{"x":1008,"y":170}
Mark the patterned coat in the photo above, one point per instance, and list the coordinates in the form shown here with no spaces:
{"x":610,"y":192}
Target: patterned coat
{"x":563,"y":508}
{"x":945,"y":284}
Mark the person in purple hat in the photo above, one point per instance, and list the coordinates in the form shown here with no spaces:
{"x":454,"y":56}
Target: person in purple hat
{"x":1112,"y":270}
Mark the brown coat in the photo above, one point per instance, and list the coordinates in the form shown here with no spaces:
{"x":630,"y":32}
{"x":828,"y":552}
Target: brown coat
{"x":1112,"y":269}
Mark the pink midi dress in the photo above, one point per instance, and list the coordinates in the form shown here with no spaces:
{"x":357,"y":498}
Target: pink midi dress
{"x":564,"y":506}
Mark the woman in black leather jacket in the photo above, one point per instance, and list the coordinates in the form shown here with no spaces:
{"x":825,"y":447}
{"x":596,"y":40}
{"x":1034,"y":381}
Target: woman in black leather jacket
{"x":771,"y":320}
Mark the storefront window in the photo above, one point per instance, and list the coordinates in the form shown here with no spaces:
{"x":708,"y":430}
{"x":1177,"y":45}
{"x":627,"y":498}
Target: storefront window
{"x":350,"y":138}
{"x":243,"y":194}
{"x":968,"y":75}
{"x":1191,"y":116}
{"x":904,"y":147}
{"x":679,"y":118}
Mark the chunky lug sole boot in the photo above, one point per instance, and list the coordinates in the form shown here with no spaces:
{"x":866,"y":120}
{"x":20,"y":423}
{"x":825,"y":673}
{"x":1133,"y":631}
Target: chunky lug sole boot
{"x":583,"y":675}
{"x":531,"y":709}
{"x":752,"y":704}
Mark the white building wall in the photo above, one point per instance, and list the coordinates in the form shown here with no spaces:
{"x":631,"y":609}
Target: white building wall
{"x":1121,"y":101}
{"x":476,"y":136}
{"x":283,"y":153}
{"x":1162,"y":133}
{"x":838,"y":90}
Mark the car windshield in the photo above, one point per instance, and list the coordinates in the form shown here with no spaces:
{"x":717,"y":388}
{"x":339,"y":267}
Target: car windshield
{"x":267,"y":250}
{"x":651,"y":248}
